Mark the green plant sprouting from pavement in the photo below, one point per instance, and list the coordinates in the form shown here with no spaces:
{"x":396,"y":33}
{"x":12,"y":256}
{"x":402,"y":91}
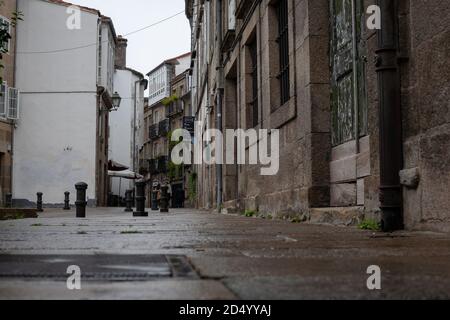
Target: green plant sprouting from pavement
{"x":14,"y":216}
{"x":250,"y":213}
{"x":369,"y":224}
{"x":296,"y":220}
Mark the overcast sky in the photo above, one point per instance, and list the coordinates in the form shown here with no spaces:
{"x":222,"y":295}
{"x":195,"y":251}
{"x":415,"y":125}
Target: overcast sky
{"x":148,"y":48}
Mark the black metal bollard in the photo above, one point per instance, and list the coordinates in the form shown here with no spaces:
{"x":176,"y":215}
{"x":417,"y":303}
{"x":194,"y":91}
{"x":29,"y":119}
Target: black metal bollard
{"x":39,"y":202}
{"x":140,"y":200}
{"x":129,"y":200}
{"x":66,"y":200}
{"x":8,"y":200}
{"x":155,"y":200}
{"x":164,"y":199}
{"x":81,"y":199}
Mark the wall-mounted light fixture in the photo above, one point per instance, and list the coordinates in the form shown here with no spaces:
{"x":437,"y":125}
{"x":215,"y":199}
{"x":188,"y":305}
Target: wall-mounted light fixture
{"x":116,"y":100}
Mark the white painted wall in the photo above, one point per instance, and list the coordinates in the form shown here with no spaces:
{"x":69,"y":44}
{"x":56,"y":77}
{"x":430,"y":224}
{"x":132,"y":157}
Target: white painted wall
{"x":54,"y":144}
{"x":183,"y":64}
{"x":121,"y":132}
{"x":122,"y":123}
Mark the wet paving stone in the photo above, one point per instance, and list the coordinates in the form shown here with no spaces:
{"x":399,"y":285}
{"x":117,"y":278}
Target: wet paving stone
{"x":95,"y":267}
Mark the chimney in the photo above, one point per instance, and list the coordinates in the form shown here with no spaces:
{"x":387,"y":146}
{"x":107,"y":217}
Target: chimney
{"x":121,"y":52}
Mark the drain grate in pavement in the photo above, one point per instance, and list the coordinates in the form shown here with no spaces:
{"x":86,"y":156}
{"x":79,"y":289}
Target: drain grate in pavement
{"x":96,"y":267}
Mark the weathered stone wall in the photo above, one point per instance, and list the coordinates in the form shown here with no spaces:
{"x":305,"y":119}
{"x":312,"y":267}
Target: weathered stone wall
{"x":304,"y":179}
{"x":425,"y":34}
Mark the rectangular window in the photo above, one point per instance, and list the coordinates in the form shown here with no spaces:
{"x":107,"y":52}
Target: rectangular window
{"x":13,"y":103}
{"x":110,"y":83}
{"x":253,"y":50}
{"x":3,"y":99}
{"x":231,"y":14}
{"x":5,"y":25}
{"x":100,"y":44}
{"x":283,"y":47}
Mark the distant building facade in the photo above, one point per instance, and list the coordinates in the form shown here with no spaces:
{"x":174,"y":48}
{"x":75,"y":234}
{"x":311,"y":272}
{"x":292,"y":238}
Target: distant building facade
{"x":124,"y":139}
{"x":362,"y":114}
{"x":155,"y":157}
{"x":180,"y":117}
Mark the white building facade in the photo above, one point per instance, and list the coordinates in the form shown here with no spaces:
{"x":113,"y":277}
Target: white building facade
{"x":124,"y":139}
{"x":66,"y":79}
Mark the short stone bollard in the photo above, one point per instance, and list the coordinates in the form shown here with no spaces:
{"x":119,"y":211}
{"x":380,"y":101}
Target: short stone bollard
{"x":66,"y":200}
{"x":8,"y":200}
{"x":39,"y":202}
{"x":129,"y":200}
{"x":155,"y":200}
{"x":81,"y":199}
{"x":164,"y":199}
{"x":140,"y":200}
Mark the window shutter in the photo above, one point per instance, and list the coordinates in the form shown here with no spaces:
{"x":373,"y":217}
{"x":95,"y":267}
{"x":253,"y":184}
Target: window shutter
{"x":13,"y":103}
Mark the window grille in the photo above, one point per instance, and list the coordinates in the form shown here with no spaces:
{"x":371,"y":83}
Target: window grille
{"x":283,"y":46}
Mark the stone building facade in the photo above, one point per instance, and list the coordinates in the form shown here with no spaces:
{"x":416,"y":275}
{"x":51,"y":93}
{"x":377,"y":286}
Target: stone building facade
{"x":363,"y":113}
{"x":179,"y":114}
{"x":6,"y":119}
{"x":154,"y":155}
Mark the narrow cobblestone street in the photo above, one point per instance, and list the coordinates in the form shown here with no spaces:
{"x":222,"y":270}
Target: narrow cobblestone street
{"x":226,"y":257}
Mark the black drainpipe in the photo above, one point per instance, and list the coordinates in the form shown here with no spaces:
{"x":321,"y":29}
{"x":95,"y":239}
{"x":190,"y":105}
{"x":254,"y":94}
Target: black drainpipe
{"x":391,"y":153}
{"x":219,"y":97}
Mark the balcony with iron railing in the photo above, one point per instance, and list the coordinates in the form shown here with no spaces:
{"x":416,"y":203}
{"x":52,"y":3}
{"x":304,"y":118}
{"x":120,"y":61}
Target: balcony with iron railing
{"x":164,"y":127}
{"x":174,"y":108}
{"x":153,"y":131}
{"x":158,"y":165}
{"x":189,"y":124}
{"x":158,"y":130}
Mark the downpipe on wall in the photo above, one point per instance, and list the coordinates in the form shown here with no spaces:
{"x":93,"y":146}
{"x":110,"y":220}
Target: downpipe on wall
{"x":390,"y":120}
{"x":219,"y":100}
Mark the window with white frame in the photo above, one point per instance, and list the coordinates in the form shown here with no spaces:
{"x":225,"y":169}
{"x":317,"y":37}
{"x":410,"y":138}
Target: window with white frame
{"x":9,"y":102}
{"x":5,"y":24}
{"x":13,"y":103}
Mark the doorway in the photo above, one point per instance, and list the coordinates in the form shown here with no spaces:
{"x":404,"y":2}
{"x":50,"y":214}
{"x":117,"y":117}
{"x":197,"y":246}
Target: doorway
{"x":350,"y":143}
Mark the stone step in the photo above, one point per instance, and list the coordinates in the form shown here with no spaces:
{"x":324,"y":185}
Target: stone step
{"x":343,"y":216}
